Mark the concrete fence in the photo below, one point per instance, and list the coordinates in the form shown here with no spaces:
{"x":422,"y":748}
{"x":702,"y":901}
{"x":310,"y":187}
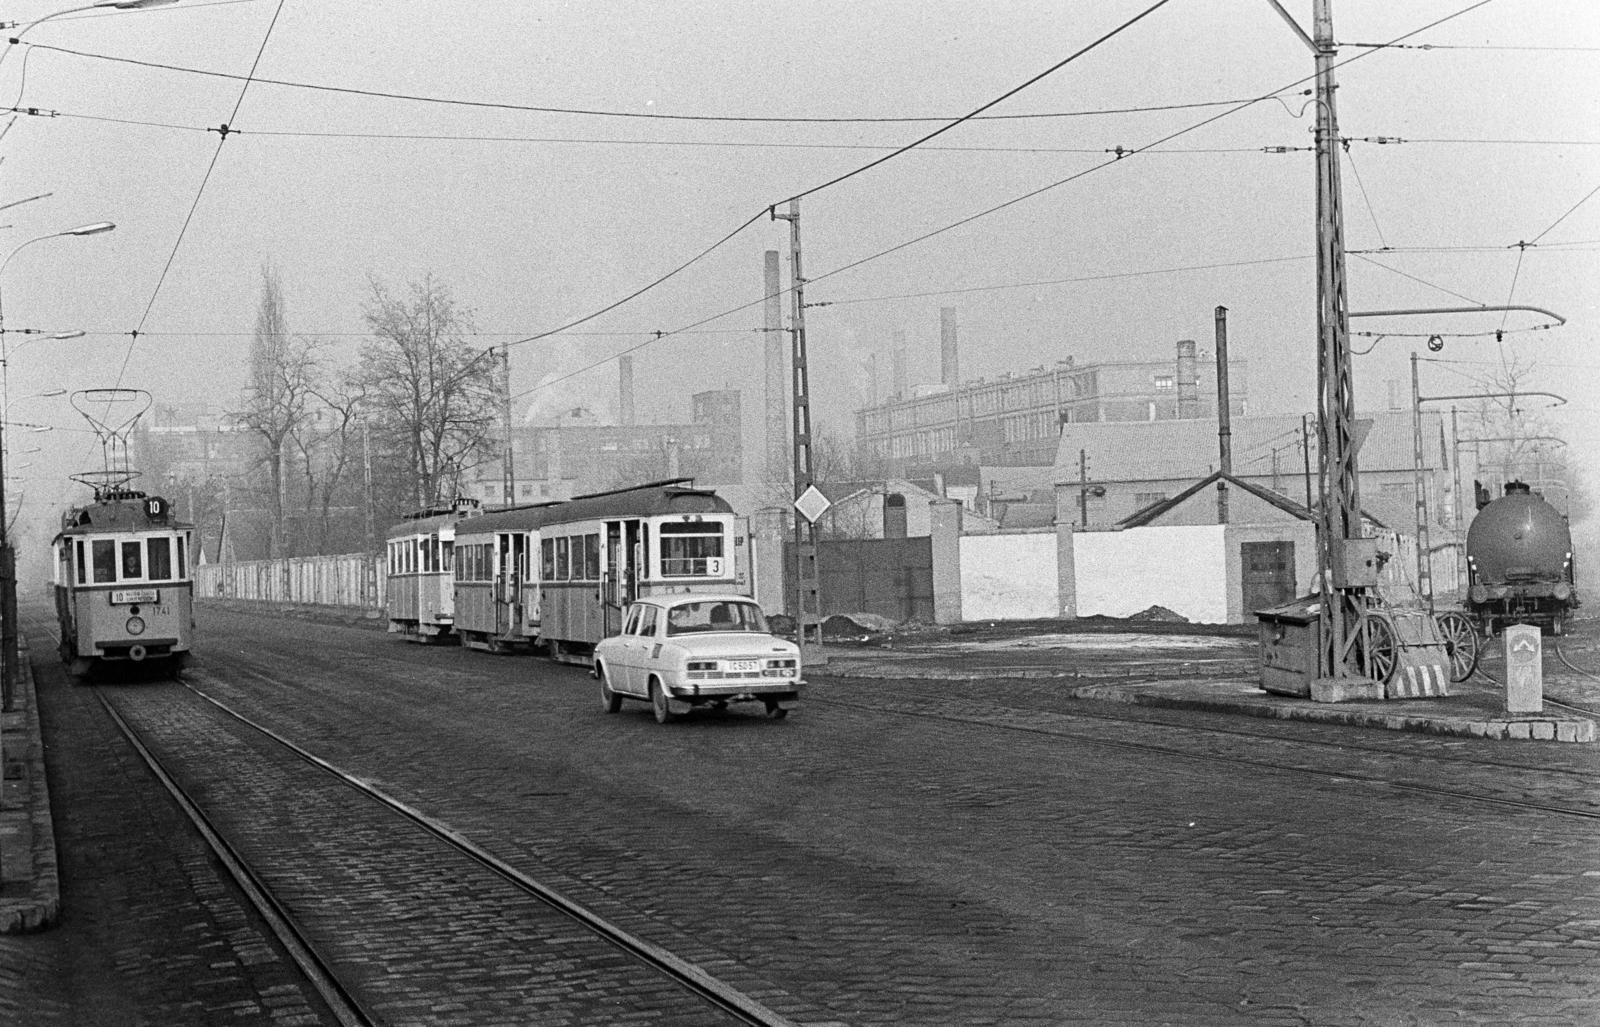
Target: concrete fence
{"x":354,"y":580}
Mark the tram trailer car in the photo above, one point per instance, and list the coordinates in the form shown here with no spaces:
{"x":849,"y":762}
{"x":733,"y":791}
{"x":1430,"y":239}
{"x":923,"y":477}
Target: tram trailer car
{"x":420,"y":555}
{"x":123,"y":591}
{"x":561,"y":575}
{"x":496,"y":591}
{"x":1519,"y":563}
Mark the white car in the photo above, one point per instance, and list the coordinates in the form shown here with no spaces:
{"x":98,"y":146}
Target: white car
{"x":695,"y":649}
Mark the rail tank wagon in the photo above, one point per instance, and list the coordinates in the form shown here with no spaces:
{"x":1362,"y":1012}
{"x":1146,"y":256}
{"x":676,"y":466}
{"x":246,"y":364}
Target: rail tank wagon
{"x":1519,"y":563}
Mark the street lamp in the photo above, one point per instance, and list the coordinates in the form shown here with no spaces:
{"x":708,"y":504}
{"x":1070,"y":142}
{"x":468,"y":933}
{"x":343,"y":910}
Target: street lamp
{"x":8,"y":560}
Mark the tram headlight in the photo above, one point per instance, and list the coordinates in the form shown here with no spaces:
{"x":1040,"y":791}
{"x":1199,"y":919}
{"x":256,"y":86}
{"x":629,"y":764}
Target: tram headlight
{"x":135,"y":625}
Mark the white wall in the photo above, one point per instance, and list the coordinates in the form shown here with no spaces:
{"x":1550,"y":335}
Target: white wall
{"x":1009,"y":577}
{"x":1183,"y":568}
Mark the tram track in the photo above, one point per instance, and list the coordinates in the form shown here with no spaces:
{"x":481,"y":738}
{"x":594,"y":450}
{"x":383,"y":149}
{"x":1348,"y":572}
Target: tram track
{"x":351,"y":1004}
{"x":1006,"y":720}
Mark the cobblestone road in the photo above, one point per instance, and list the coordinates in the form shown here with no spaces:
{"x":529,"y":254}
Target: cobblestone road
{"x":897,"y":869}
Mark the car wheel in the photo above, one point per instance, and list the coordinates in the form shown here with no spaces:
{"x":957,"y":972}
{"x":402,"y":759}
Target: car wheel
{"x":610,"y":701}
{"x":775,"y":711}
{"x":658,"y":702}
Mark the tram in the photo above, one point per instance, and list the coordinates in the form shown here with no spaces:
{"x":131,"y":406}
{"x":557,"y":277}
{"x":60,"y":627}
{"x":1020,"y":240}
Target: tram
{"x":123,"y":590}
{"x":561,"y":575}
{"x":420,"y":555}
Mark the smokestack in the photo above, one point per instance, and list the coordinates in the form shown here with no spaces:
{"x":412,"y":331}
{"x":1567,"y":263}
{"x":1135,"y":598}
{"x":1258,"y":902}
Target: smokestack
{"x":779,"y":464}
{"x":625,"y":385}
{"x":949,"y":367}
{"x":1188,"y":380}
{"x":1225,"y":416}
{"x":897,"y":381}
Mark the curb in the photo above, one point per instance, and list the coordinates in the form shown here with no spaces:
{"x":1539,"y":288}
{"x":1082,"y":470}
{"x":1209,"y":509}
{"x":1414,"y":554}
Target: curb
{"x":30,"y":890}
{"x":1546,"y":727}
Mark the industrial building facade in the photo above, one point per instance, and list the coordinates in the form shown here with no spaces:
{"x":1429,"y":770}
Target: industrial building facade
{"x":1016,"y":419}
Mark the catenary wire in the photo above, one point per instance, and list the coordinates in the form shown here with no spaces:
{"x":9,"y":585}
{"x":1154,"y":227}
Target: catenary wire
{"x":200,"y":192}
{"x":992,"y":103}
{"x":1414,"y":278}
{"x":839,"y":270}
{"x":600,"y":113}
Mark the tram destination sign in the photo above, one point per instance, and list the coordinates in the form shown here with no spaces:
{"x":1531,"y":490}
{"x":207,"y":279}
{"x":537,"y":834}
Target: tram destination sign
{"x":130,"y":596}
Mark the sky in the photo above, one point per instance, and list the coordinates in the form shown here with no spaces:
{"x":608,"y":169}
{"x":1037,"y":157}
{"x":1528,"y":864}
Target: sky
{"x":665,"y":132}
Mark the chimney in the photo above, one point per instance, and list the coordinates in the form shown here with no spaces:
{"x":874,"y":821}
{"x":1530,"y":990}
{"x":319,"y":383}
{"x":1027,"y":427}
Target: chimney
{"x":897,"y":381}
{"x":625,"y":384}
{"x":1188,"y":380}
{"x":949,"y":368}
{"x":779,"y":462}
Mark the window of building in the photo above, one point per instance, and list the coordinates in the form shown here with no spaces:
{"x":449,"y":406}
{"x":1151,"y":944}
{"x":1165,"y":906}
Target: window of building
{"x":1164,"y":383}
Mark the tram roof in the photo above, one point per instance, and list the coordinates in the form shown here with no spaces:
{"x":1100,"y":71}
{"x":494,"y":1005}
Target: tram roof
{"x":674,"y":496}
{"x":124,"y":513}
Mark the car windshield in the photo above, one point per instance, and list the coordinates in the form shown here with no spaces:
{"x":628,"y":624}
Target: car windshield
{"x":715,"y":615}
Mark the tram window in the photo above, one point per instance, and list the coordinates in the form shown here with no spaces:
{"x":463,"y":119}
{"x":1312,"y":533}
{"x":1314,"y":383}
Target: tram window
{"x":105,"y":560}
{"x":547,"y":559}
{"x":132,"y":561}
{"x":447,"y":555}
{"x":688,"y":548}
{"x":82,"y":566}
{"x":563,"y":563}
{"x":159,"y":551}
{"x":183,"y":556}
{"x":591,"y":557}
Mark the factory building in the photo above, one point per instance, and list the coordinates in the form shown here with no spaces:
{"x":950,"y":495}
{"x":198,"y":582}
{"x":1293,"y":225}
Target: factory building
{"x":1017,"y":419}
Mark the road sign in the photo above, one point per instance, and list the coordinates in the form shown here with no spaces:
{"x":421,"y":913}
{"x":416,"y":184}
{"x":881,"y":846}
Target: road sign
{"x":812,"y":504}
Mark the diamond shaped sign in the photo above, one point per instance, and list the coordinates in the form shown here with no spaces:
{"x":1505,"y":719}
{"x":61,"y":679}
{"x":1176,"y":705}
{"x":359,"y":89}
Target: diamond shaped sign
{"x":812,"y":504}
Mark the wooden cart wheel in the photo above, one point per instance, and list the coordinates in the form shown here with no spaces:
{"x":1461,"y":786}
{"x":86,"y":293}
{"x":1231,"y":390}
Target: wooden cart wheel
{"x":1460,"y":642}
{"x":1378,"y":653}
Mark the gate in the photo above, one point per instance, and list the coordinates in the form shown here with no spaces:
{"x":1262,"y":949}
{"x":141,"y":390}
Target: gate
{"x":890,"y":577}
{"x":1268,"y":574}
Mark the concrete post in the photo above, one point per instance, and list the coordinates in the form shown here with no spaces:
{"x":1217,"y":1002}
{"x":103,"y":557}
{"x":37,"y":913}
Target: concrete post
{"x":945,"y":531}
{"x":1524,"y":669}
{"x":767,"y":530}
{"x":1066,"y":571}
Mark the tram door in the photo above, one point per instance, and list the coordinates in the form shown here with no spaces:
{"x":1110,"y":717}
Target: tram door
{"x":622,"y":573}
{"x":508,"y":593}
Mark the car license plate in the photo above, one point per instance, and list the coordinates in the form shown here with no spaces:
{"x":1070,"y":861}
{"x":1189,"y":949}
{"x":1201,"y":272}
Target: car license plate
{"x":743,"y":666}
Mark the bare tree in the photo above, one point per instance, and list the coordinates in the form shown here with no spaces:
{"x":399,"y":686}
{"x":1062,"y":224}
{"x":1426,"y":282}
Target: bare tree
{"x":278,"y":398}
{"x":432,"y":401}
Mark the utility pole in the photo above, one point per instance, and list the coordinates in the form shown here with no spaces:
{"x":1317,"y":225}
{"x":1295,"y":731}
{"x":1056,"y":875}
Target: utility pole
{"x":1225,"y":418}
{"x":1419,"y":481}
{"x":1348,"y":561}
{"x":1083,"y":488}
{"x":510,"y":469}
{"x":1305,"y":455}
{"x":366,"y":483}
{"x":807,"y":586}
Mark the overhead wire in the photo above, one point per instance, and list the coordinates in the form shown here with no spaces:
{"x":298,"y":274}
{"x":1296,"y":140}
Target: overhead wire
{"x":992,"y":103}
{"x":595,"y":112}
{"x":1421,"y":281}
{"x":872,"y":164}
{"x":200,"y":192}
{"x":882,"y":253}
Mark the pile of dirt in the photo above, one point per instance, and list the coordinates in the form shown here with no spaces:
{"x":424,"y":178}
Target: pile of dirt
{"x":1159,"y":613}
